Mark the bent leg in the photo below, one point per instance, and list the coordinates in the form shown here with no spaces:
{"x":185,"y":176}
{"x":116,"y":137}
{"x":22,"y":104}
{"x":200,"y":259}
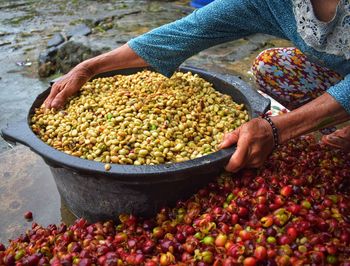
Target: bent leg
{"x":287,"y":76}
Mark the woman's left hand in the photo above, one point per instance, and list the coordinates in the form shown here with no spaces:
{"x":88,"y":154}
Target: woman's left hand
{"x":254,"y":143}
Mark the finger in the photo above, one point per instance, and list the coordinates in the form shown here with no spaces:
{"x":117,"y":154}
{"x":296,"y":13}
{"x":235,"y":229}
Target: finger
{"x":240,"y":156}
{"x":256,"y":158}
{"x":60,"y":98}
{"x":229,"y":139}
{"x":255,"y":164}
{"x":337,"y":141}
{"x":54,"y":91}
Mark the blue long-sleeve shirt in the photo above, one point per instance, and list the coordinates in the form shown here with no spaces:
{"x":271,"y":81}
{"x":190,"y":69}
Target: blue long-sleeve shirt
{"x":166,"y":47}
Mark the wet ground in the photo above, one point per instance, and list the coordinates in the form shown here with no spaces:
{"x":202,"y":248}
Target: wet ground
{"x":25,"y":28}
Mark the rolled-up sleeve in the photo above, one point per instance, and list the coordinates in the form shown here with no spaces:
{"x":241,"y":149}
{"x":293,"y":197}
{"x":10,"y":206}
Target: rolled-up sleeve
{"x":166,"y":47}
{"x":341,"y":93}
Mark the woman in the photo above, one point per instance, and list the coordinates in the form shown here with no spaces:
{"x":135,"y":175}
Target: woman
{"x":319,"y":28}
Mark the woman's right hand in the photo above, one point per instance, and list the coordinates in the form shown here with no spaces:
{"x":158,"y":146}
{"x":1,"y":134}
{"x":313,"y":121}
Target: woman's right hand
{"x":66,"y":86}
{"x":254,"y":141}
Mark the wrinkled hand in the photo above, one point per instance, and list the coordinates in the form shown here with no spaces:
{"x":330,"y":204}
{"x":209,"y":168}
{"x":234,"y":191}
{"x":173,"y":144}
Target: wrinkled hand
{"x":254,"y":143}
{"x":66,"y":86}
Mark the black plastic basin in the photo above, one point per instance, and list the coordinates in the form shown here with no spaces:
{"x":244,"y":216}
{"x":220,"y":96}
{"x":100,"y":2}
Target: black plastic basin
{"x":92,"y":193}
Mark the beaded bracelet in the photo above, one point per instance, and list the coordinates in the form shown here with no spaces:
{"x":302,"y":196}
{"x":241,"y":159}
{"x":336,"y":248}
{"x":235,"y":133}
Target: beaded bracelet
{"x":274,"y":129}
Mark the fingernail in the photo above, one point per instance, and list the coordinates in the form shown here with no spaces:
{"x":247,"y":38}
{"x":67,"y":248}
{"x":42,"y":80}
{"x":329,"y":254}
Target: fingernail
{"x":228,"y":169}
{"x":55,"y":104}
{"x":333,"y":138}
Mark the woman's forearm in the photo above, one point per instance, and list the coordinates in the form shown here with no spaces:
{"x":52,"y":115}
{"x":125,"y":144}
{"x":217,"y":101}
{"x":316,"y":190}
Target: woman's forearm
{"x":322,"y":112}
{"x":119,"y":58}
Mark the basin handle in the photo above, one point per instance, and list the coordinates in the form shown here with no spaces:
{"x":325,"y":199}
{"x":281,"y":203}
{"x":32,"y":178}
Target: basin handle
{"x":18,"y":132}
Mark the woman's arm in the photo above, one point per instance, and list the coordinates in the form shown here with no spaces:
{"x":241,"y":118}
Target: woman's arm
{"x":255,"y":141}
{"x":166,"y":47}
{"x":329,"y":109}
{"x":322,"y":112}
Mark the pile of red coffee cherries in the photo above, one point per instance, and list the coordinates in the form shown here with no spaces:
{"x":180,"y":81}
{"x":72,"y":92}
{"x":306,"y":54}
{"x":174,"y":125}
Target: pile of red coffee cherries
{"x":295,"y":210}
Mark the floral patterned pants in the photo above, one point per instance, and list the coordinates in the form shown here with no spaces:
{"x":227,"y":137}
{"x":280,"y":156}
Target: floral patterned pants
{"x":286,"y":75}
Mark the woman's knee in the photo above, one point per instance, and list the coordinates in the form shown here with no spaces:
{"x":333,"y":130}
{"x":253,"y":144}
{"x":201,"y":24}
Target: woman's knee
{"x":277,"y":61}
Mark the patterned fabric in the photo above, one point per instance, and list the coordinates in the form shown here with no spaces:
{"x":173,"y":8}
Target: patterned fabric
{"x":287,"y":76}
{"x":332,"y":37}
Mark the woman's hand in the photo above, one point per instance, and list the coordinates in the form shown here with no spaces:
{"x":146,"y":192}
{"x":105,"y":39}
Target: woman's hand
{"x":119,"y":58}
{"x":66,"y":86}
{"x":254,"y":143}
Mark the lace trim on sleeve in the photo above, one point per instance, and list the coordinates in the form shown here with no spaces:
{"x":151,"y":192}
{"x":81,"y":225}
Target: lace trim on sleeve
{"x":331,"y":37}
